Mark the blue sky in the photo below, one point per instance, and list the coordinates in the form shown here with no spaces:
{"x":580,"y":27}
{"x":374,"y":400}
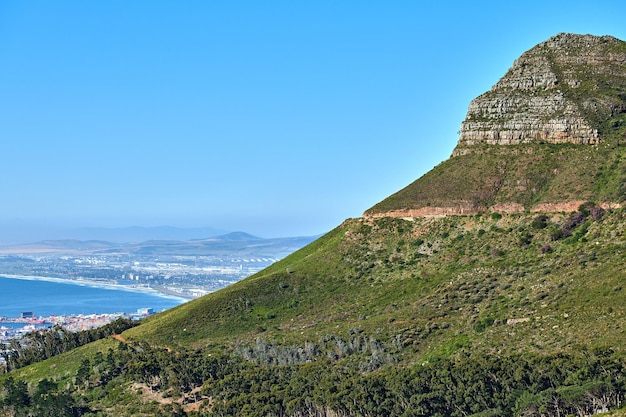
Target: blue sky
{"x":274,"y":117}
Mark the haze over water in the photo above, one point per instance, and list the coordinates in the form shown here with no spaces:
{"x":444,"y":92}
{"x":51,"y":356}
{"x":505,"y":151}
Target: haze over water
{"x":45,"y":298}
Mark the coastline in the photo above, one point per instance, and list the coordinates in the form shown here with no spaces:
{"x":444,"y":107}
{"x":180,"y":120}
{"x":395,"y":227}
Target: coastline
{"x":97,"y":284}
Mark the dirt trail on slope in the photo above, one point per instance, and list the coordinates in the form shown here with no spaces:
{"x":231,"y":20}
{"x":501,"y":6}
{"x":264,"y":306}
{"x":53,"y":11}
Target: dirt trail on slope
{"x":468,"y":210}
{"x":118,"y":337}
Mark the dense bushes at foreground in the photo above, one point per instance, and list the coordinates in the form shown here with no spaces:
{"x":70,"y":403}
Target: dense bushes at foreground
{"x":196,"y":384}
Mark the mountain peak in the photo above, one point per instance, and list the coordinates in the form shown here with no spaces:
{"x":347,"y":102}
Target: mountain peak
{"x":524,"y":144}
{"x":566,"y":89}
{"x":238,"y":236}
{"x":568,"y":40}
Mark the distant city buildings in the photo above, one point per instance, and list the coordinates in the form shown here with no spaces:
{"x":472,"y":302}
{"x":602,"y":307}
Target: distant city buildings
{"x":16,"y":327}
{"x":185,"y":276}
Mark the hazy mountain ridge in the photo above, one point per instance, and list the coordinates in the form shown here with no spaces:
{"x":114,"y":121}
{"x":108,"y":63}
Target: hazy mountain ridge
{"x":136,"y":234}
{"x":27,"y":233}
{"x":235,"y":243}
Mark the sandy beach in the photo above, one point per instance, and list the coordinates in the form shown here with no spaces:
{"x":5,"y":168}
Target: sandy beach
{"x":96,"y":284}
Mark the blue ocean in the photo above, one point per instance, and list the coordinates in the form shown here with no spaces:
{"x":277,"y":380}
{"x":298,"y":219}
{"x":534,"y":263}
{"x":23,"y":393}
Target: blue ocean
{"x":46,"y":298}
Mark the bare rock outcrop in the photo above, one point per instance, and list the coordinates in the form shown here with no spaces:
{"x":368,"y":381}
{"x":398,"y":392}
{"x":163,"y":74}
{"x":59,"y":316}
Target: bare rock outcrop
{"x":560,"y":91}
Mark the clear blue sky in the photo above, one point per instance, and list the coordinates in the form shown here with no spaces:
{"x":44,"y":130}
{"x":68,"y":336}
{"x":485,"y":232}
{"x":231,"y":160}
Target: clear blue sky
{"x":274,"y":117}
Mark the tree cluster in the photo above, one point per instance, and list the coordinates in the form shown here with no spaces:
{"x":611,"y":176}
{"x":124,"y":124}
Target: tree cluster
{"x":584,"y":383}
{"x":43,"y":344}
{"x":46,"y":399}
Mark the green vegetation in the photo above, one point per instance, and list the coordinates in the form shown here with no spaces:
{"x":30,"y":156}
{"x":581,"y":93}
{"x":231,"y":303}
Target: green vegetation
{"x":599,"y":92}
{"x":384,"y":315}
{"x":526,"y":174}
{"x":41,"y":345}
{"x":476,"y":315}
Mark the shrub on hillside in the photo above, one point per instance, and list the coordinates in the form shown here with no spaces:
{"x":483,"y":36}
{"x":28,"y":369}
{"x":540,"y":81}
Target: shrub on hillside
{"x":597,"y":213}
{"x":572,"y":223}
{"x":586,"y":208}
{"x":556,"y":234}
{"x":546,"y":249}
{"x":540,"y":222}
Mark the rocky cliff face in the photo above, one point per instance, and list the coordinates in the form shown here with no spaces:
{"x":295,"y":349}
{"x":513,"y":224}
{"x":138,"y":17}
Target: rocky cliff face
{"x":570,"y":89}
{"x":563,"y":90}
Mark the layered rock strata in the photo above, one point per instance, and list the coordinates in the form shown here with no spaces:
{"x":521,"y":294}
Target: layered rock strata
{"x":545,"y":95}
{"x":570,"y":89}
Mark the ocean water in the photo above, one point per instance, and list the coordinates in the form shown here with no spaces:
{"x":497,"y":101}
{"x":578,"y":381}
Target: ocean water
{"x":53,"y":297}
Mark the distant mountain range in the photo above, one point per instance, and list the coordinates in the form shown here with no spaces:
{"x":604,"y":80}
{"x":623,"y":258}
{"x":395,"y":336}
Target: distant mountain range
{"x":26,"y":233}
{"x":236,"y":243}
{"x":140,"y":234}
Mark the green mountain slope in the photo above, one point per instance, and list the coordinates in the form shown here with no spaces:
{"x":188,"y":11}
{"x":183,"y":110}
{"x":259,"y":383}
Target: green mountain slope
{"x":516,"y":178}
{"x":499,"y":311}
{"x":388,"y":276}
{"x":390,"y":298}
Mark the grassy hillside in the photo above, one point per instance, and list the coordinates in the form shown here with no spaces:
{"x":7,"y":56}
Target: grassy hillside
{"x":392,"y":277}
{"x":383,"y":301}
{"x":525,"y":174}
